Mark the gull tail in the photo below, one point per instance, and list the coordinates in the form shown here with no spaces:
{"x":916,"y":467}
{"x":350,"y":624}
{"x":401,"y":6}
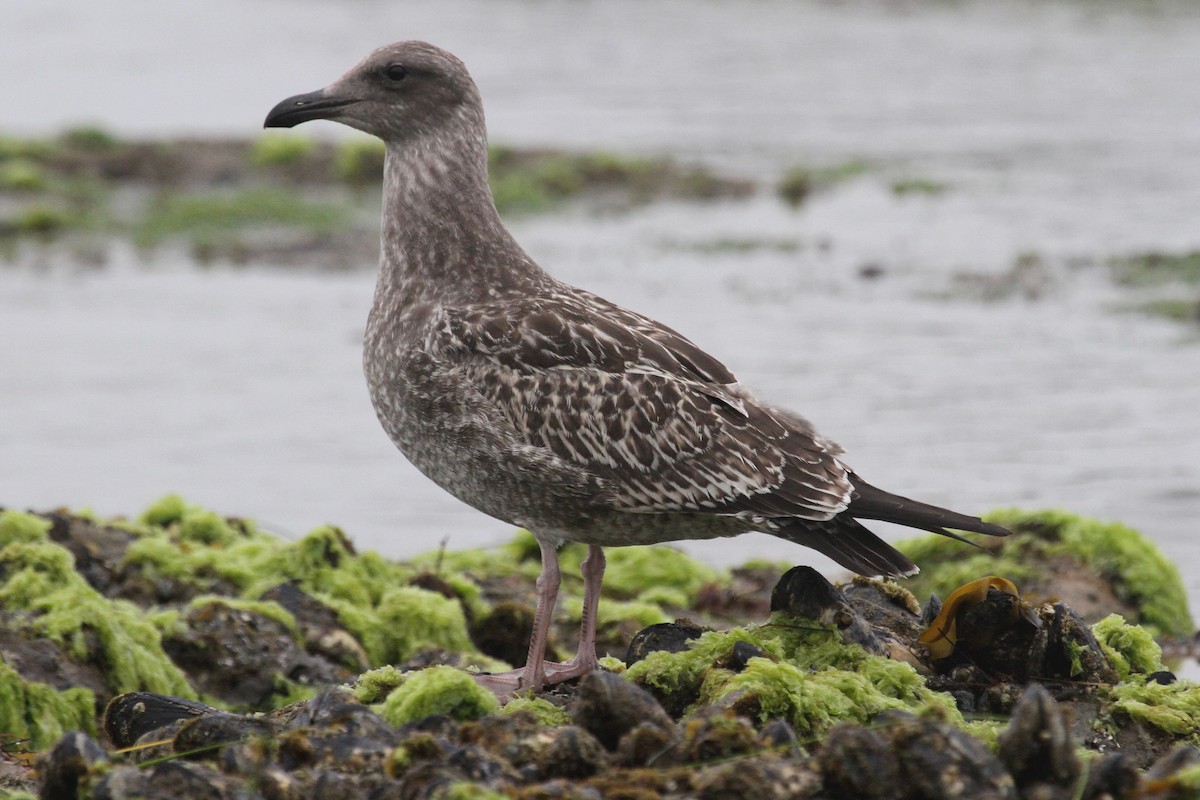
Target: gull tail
{"x":871,"y":503}
{"x":848,"y":543}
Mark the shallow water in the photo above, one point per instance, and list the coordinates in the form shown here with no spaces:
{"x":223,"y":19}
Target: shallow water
{"x":1066,"y":130}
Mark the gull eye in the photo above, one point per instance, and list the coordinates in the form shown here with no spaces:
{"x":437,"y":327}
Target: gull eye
{"x":395,"y":72}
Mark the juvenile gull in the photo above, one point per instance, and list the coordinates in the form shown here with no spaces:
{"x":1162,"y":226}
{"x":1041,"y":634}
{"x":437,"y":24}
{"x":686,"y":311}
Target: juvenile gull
{"x":551,"y":408}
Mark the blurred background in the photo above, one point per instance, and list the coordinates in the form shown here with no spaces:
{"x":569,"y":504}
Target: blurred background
{"x":960,"y":237}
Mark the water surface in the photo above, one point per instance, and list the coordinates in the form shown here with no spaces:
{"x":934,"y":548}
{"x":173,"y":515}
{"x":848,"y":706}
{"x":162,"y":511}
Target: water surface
{"x":1067,"y":130}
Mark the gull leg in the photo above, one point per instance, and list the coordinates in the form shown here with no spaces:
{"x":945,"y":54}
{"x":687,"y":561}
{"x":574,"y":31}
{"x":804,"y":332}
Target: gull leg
{"x":585,"y":658}
{"x":533,"y":676}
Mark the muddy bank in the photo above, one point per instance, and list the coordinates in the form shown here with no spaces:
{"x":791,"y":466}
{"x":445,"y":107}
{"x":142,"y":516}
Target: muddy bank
{"x":296,"y":669}
{"x":278,"y":199}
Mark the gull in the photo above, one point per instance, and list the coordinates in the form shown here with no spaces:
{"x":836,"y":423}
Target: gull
{"x":549,"y":407}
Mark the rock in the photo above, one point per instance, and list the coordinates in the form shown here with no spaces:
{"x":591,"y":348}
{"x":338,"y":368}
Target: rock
{"x":207,"y":733}
{"x":858,"y":762}
{"x":237,"y":654}
{"x":1037,"y":746}
{"x":779,"y":734}
{"x":1112,"y":776}
{"x":767,"y":777}
{"x":130,"y":716}
{"x":940,"y":762}
{"x":320,"y":628}
{"x":741,"y":655}
{"x":804,"y":592}
{"x":573,"y":753}
{"x":645,"y":745}
{"x":170,"y":780}
{"x":715,"y":736}
{"x":71,"y":758}
{"x":1179,"y":758}
{"x":504,"y":633}
{"x":608,"y":707}
{"x":670,"y":637}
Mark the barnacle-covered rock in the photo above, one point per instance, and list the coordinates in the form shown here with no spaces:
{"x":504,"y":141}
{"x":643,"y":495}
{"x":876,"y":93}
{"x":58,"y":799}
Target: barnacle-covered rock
{"x":608,"y":707}
{"x":1037,"y":746}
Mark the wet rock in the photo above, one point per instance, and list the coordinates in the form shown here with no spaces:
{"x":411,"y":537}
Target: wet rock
{"x":761,"y":778}
{"x":715,"y":736}
{"x":45,"y":661}
{"x":573,"y":753}
{"x":481,"y":766}
{"x":997,"y":652}
{"x":1037,"y":746}
{"x":940,"y":762}
{"x":747,"y":598}
{"x":131,"y":716}
{"x":426,"y":781}
{"x":608,"y":707}
{"x":647,"y":744}
{"x":504,"y":633}
{"x":1179,"y":758}
{"x":99,"y":551}
{"x":336,"y":711}
{"x":669,"y":637}
{"x":205,"y":734}
{"x":742,"y":652}
{"x":1111,"y":776}
{"x":537,"y":752}
{"x":320,"y":628}
{"x":236,"y":654}
{"x":1065,"y":647}
{"x":858,"y":762}
{"x":779,"y":734}
{"x":171,"y":780}
{"x":71,"y":758}
{"x":804,"y":592}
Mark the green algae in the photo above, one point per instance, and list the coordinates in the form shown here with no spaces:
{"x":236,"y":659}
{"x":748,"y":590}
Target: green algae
{"x":634,"y":571}
{"x":91,"y":138}
{"x":18,"y":527}
{"x":41,"y":713}
{"x":22,"y":175}
{"x":1129,"y":648}
{"x":1157,"y":268}
{"x":1173,"y":707}
{"x":438,"y":690}
{"x":390,"y":619}
{"x":375,"y":685}
{"x":406,"y":619}
{"x":545,"y":712}
{"x":40,"y":580}
{"x":905,"y":186}
{"x":799,"y":182}
{"x":808,"y":677}
{"x":274,"y":150}
{"x":1137,"y":568}
{"x":466,"y":790}
{"x":639,"y":582}
{"x":211,"y":220}
{"x":614,"y":612}
{"x":48,"y":598}
{"x":612,"y":664}
{"x":359,"y":161}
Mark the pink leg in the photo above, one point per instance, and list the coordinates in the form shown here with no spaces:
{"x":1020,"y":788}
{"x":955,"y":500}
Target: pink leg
{"x":537,"y":671}
{"x":585,"y":657}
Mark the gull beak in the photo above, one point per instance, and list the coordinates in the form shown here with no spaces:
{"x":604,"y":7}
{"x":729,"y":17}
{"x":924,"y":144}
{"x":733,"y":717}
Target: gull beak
{"x":304,"y":107}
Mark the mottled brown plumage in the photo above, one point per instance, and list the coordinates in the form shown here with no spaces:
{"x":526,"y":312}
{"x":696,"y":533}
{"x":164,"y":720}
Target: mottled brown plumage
{"x":551,"y":408}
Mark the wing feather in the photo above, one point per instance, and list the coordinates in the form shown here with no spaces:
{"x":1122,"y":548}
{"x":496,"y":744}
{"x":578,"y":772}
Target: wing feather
{"x":642,"y":408}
